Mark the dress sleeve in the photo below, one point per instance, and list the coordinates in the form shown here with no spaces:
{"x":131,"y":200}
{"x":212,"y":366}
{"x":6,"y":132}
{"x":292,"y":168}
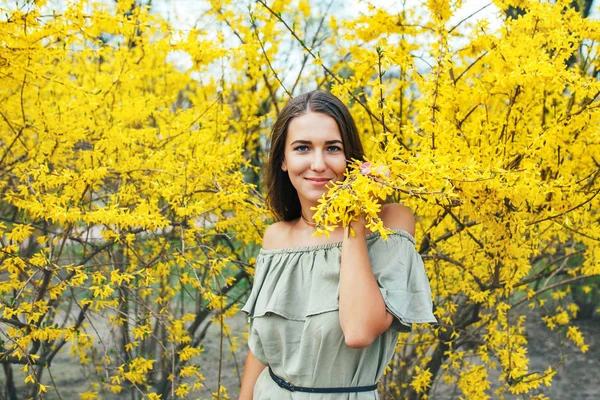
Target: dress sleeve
{"x":254,"y":343}
{"x":401,"y":277}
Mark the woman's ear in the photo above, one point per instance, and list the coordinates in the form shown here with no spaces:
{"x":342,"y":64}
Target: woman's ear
{"x":283,"y":166}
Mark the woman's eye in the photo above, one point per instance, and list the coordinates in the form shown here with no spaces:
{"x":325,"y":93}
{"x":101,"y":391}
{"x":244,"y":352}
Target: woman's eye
{"x":334,"y":148}
{"x":301,"y":148}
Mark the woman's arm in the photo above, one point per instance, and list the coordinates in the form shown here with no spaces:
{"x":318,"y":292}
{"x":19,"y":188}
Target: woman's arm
{"x":363,"y":315}
{"x":252,"y":370}
{"x":253,"y":367}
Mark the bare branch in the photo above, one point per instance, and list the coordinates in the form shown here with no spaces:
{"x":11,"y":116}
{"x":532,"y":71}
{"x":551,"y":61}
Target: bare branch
{"x":262,"y":47}
{"x":564,"y":212}
{"x":553,"y":286}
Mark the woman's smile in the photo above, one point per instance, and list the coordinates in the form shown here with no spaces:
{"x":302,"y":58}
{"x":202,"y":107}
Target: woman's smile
{"x":318,"y":181}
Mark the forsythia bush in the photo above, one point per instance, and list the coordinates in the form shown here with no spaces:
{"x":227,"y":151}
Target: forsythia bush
{"x":131,"y":205}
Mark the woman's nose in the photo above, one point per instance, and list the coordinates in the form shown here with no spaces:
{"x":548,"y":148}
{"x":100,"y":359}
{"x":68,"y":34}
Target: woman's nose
{"x":318,"y":163}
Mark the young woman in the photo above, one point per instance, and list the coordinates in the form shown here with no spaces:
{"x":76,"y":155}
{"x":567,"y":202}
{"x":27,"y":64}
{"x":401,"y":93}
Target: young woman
{"x":325,"y":312}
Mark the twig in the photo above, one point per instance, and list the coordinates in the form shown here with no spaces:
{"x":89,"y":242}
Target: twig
{"x":262,"y":47}
{"x":312,"y":45}
{"x":543,"y":273}
{"x":54,"y":384}
{"x":381,"y":98}
{"x":564,"y":212}
{"x":443,"y":257}
{"x":467,"y":17}
{"x":553,"y":286}
{"x":17,"y":137}
{"x":580,"y":233}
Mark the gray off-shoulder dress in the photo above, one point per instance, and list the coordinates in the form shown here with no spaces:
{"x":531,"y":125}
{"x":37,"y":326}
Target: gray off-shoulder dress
{"x":294,"y":322}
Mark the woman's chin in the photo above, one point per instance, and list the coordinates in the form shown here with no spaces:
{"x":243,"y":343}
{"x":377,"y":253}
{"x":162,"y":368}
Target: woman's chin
{"x":314,"y":196}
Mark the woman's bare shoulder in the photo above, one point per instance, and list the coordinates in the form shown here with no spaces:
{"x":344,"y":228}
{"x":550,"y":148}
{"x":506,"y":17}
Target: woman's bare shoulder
{"x":398,"y":216}
{"x":276,"y":235}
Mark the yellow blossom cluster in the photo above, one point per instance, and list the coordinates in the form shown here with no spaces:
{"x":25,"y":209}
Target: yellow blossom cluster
{"x":128,"y":217}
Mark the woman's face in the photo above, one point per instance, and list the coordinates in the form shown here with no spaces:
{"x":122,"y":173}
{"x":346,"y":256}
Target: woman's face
{"x":313,"y":156}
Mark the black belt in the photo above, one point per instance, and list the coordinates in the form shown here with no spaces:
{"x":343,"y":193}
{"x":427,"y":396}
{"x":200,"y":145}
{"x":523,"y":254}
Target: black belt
{"x":348,"y":389}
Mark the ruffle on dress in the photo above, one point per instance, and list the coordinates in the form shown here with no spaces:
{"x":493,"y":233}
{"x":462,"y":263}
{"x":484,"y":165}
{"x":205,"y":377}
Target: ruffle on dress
{"x":296,"y":283}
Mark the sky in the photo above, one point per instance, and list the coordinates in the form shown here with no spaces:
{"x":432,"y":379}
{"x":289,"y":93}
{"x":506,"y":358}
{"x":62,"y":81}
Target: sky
{"x":188,"y":12}
{"x":185,"y":14}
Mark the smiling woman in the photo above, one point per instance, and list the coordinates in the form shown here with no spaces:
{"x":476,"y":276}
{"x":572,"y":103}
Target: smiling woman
{"x":325,"y":312}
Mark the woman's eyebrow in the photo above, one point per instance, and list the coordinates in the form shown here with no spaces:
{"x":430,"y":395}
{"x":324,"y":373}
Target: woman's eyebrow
{"x":335,"y":141}
{"x":300,"y":142}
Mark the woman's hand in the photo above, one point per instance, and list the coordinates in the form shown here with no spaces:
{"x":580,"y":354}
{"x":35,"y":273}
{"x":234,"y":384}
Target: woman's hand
{"x":357,"y":227}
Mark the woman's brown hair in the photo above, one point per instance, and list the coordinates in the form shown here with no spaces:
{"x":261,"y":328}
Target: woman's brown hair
{"x":281,"y":194}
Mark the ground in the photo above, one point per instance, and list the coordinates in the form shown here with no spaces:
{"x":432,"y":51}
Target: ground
{"x":578,"y":376}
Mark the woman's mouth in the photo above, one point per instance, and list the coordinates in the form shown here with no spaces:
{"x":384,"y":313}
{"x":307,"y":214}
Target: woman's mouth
{"x":318,"y":181}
